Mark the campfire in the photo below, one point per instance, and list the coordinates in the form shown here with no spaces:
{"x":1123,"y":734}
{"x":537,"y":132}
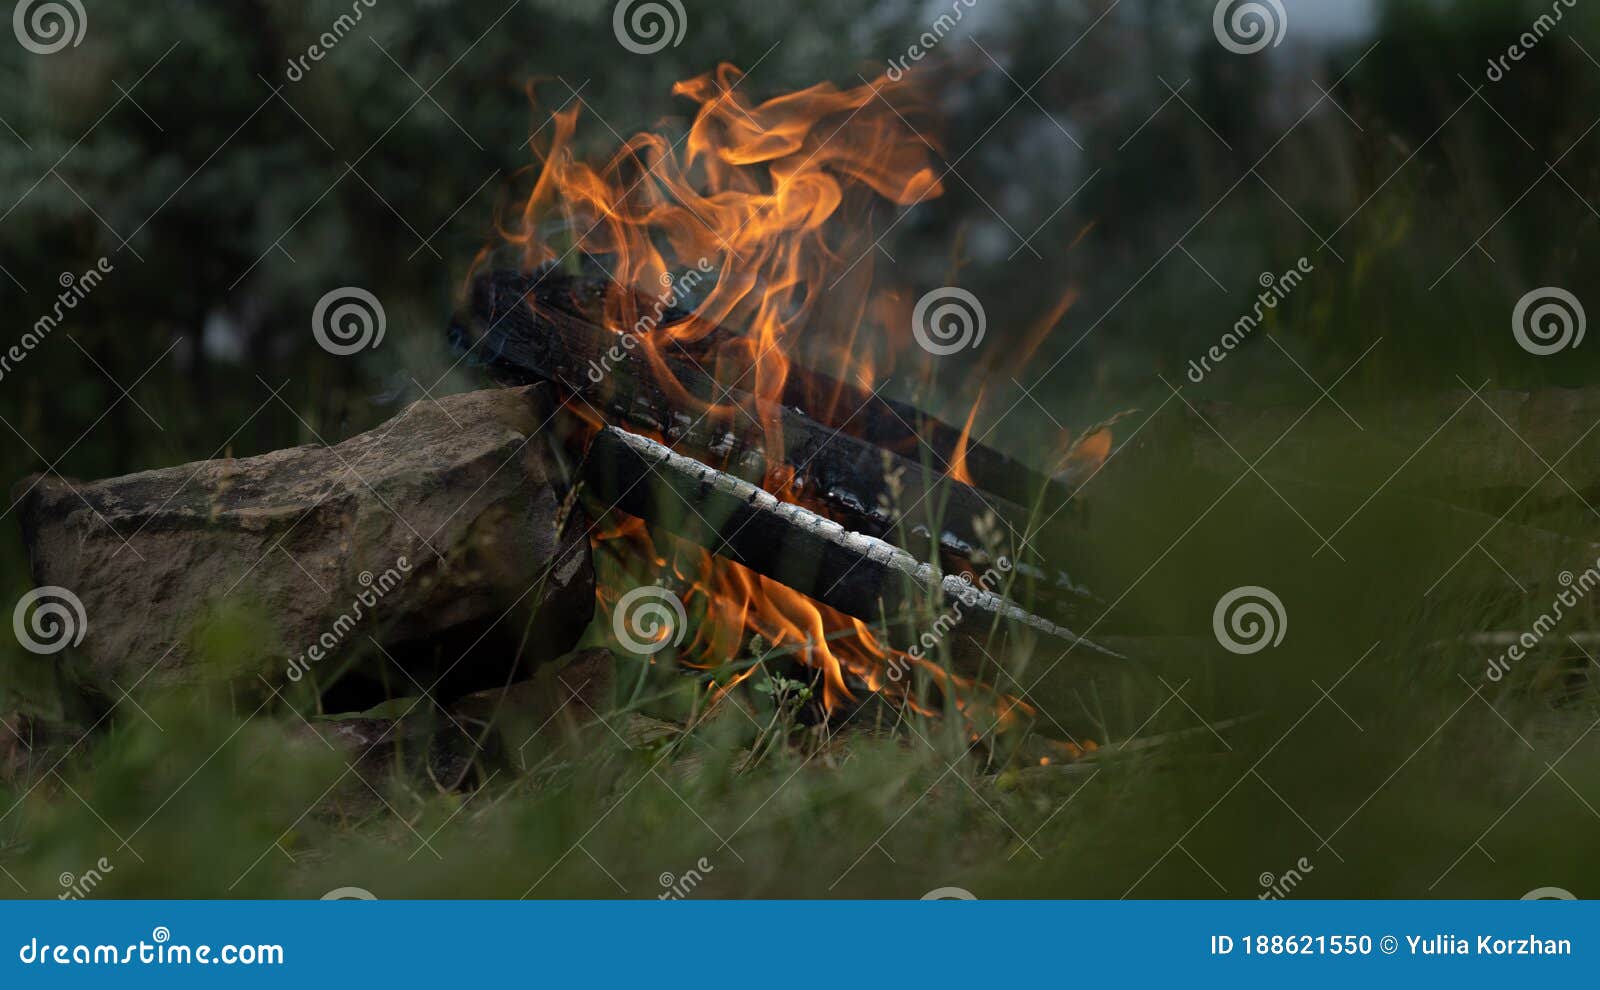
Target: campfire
{"x":707,"y":310}
{"x":726,"y":462}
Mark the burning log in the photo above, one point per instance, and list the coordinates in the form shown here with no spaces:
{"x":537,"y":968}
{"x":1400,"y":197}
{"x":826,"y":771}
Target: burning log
{"x":866,"y":415}
{"x":527,"y":339}
{"x":855,"y":573}
{"x":525,"y":330}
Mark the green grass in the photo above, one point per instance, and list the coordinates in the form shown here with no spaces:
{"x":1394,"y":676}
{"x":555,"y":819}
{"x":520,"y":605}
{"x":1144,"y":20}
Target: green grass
{"x":1419,"y":785}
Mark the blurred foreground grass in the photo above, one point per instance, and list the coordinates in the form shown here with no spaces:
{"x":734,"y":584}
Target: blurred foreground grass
{"x":1367,"y":752}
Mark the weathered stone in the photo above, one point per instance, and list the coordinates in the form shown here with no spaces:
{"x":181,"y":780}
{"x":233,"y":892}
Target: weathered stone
{"x":441,"y":536}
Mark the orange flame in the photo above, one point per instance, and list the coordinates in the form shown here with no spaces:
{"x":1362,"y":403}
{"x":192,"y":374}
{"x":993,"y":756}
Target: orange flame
{"x":748,"y":189}
{"x":749,"y":192}
{"x":958,"y":459}
{"x":736,"y":602}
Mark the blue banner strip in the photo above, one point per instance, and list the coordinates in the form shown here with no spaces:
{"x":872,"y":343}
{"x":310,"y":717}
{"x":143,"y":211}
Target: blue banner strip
{"x":707,"y":944}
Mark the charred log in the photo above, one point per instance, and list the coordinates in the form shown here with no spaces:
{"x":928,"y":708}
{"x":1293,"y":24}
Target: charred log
{"x":877,"y":419}
{"x":525,"y":330}
{"x":852,"y":572}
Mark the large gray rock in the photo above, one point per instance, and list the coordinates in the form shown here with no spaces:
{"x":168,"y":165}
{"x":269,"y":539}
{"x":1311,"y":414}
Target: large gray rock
{"x":439,"y":542}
